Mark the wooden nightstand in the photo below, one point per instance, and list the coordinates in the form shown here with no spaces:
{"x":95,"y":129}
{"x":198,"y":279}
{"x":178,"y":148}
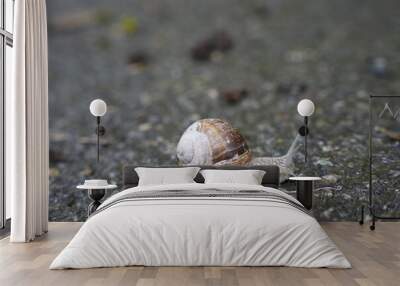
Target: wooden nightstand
{"x":304,"y":193}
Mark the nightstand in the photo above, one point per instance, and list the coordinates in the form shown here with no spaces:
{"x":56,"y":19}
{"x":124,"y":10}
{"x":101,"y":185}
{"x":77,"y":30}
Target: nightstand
{"x":96,"y":192}
{"x":304,"y":193}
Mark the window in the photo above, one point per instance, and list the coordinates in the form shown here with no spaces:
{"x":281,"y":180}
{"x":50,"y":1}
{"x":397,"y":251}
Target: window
{"x":6,"y":44}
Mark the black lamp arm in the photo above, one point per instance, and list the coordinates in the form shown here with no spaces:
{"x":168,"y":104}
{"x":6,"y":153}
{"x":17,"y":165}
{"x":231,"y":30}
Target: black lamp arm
{"x":305,"y":138}
{"x":100,"y":131}
{"x":304,"y":131}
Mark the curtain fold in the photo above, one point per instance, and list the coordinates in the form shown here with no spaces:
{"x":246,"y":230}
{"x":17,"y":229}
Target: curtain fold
{"x":27,"y":137}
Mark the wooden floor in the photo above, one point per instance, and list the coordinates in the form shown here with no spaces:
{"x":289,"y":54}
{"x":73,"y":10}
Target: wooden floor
{"x":375,"y":257}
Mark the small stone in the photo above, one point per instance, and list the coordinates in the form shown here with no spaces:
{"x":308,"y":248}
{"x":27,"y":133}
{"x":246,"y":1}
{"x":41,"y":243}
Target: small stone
{"x":103,"y":17}
{"x":292,"y":88}
{"x":220,"y":42}
{"x":72,"y":21}
{"x":393,"y":173}
{"x":54,"y":172}
{"x":324,"y":162}
{"x":138,"y":60}
{"x":234,"y":95}
{"x":347,"y":196}
{"x":216,"y":56}
{"x":327,"y":213}
{"x":298,"y":56}
{"x":86,"y":172}
{"x":327,"y":149}
{"x":129,"y":25}
{"x":213,"y":93}
{"x":302,"y":87}
{"x":58,"y":137}
{"x":56,"y":156}
{"x":378,"y":67}
{"x":331,"y":179}
{"x":283,"y":88}
{"x":144,"y":127}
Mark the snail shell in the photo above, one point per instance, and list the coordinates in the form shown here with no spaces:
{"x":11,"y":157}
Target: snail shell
{"x":212,"y":142}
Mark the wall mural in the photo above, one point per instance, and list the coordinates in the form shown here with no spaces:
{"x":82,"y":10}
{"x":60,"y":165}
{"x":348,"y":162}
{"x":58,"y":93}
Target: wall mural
{"x":168,"y":69}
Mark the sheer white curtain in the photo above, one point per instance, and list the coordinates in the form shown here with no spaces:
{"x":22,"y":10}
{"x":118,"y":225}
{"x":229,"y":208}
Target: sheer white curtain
{"x":27,"y":156}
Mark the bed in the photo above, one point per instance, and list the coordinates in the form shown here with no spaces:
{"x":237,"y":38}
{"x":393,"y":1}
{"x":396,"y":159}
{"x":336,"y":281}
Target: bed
{"x":198,"y":224}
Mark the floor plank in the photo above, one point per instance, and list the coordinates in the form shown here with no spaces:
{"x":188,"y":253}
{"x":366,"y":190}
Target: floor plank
{"x":375,"y":257}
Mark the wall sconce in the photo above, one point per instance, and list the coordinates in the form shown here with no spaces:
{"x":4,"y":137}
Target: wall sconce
{"x":305,"y":108}
{"x":98,"y":108}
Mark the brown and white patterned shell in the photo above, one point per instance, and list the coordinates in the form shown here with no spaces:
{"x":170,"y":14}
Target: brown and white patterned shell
{"x":212,"y":142}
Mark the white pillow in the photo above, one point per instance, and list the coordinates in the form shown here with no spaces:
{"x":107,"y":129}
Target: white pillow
{"x":162,"y":176}
{"x":248,"y":177}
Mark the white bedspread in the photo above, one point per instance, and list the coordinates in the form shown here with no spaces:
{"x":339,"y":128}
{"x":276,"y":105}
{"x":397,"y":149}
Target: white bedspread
{"x":200,"y":231}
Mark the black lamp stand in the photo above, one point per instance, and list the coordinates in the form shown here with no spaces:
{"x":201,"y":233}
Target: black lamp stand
{"x":96,"y":195}
{"x":100,"y":131}
{"x":303,"y":131}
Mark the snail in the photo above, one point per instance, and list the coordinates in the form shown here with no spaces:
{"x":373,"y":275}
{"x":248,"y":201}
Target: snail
{"x":216,"y":142}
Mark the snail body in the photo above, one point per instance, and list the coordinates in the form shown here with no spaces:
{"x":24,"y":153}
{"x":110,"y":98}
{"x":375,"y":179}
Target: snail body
{"x":217,"y":142}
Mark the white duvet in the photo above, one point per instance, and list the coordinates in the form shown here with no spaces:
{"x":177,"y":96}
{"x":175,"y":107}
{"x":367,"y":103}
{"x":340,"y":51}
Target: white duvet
{"x":200,"y":231}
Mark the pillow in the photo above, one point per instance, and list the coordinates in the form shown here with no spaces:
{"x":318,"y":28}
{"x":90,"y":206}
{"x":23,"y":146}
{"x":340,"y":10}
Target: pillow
{"x":162,"y":176}
{"x":248,"y":177}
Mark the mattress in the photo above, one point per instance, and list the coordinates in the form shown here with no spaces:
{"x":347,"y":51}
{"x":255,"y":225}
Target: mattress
{"x":201,"y":225}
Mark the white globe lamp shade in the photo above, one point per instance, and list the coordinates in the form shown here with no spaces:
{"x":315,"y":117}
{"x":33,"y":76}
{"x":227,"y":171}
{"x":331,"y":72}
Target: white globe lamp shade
{"x":98,"y":107}
{"x":305,"y":107}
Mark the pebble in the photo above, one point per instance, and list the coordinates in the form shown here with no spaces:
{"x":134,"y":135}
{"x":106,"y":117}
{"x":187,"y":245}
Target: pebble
{"x":327,"y":148}
{"x":54,"y":172}
{"x":331,"y":179}
{"x":58,"y":136}
{"x":327,"y":213}
{"x":71,"y":22}
{"x":56,"y":156}
{"x":219,"y":41}
{"x":129,"y":25}
{"x":234,"y":96}
{"x":394,"y":173}
{"x":378,"y":67}
{"x":346,"y":196}
{"x":86,"y":172}
{"x":144,"y":127}
{"x":103,"y":17}
{"x":324,"y":162}
{"x":138,"y":59}
{"x":292,"y":88}
{"x":213,"y":93}
{"x":298,"y":56}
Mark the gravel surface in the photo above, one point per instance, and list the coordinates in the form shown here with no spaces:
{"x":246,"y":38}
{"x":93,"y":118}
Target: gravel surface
{"x":162,"y":64}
